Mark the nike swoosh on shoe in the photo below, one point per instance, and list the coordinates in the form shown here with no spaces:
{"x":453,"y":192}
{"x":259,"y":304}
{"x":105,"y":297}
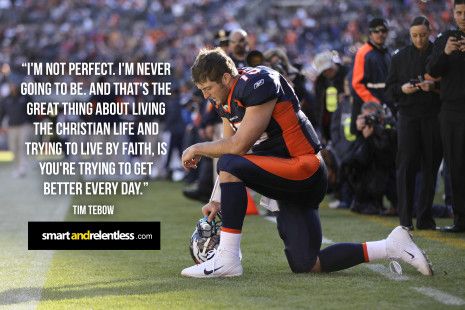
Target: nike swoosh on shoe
{"x":411,"y":255}
{"x":208,"y":272}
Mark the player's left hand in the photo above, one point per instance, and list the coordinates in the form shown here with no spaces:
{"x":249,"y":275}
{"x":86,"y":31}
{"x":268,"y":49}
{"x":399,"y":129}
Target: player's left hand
{"x":189,"y":158}
{"x":211,"y":209}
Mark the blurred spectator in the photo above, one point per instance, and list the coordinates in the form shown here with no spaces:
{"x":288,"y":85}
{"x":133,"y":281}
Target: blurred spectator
{"x":222,"y":40}
{"x":255,"y":58}
{"x":18,"y":125}
{"x":340,"y":144}
{"x":202,"y":186}
{"x":176,"y":127}
{"x":278,"y":60}
{"x":329,"y":89}
{"x":238,"y":47}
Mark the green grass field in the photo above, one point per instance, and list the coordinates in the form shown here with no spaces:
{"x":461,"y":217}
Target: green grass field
{"x":151,"y":279}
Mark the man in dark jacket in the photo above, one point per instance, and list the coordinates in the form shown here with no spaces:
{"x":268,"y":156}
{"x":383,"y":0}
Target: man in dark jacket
{"x":419,"y":142}
{"x":370,"y":70}
{"x":448,"y":62}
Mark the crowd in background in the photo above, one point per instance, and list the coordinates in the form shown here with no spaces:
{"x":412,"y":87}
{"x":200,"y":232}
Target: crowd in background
{"x":174,"y":30}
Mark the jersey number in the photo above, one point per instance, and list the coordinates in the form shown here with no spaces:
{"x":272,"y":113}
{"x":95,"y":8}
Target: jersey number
{"x":251,"y":70}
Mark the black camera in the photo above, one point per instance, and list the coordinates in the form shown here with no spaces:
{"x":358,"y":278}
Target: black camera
{"x":372,"y":119}
{"x":414,"y":82}
{"x":457,"y":34}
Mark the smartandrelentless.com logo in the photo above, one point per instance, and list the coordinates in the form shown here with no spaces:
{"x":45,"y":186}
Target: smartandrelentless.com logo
{"x":94,"y":235}
{"x":117,"y":235}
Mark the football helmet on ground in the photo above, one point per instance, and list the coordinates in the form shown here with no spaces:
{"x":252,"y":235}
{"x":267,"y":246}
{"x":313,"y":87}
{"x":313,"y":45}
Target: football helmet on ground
{"x":205,"y":240}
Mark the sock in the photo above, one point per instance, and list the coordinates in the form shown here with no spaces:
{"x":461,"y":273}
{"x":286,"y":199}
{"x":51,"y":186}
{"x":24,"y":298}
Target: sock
{"x":230,"y":242}
{"x":233,"y":206}
{"x":341,"y":256}
{"x":375,"y":250}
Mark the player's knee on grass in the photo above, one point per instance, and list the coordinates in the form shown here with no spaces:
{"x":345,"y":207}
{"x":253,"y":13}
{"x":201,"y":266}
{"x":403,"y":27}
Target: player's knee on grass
{"x":300,"y":263}
{"x":299,"y":228}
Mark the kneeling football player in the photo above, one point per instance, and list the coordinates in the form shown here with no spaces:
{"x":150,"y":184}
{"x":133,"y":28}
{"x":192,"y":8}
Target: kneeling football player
{"x":270,"y":146}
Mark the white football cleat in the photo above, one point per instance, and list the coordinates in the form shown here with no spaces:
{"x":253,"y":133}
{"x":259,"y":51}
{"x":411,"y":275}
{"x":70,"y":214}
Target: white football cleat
{"x":223,"y":264}
{"x":400,"y":245}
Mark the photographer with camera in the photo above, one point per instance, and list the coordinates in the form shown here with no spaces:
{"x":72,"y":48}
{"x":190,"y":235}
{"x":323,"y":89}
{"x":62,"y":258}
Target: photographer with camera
{"x":419,"y":141}
{"x":448,"y":62}
{"x":369,"y":166}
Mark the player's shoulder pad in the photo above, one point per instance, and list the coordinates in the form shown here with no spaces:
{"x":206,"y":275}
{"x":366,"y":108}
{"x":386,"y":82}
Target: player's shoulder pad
{"x":257,"y":85}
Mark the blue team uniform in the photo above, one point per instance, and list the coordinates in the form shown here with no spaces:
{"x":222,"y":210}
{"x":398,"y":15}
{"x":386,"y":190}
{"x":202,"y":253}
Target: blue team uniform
{"x":284,"y":163}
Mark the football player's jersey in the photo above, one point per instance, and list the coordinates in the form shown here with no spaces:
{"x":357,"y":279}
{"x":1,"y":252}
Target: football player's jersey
{"x":289,"y":133}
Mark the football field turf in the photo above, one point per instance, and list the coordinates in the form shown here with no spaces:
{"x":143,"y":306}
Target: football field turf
{"x":152,"y":280}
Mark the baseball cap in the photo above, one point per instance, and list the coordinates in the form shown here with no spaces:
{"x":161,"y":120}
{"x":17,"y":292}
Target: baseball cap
{"x":377,"y":24}
{"x":325,"y":60}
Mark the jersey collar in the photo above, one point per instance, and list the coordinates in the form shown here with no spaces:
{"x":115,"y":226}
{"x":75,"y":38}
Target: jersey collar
{"x":228,"y":107}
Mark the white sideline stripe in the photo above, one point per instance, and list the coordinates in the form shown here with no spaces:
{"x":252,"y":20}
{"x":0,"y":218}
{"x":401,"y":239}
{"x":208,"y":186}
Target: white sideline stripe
{"x":273,"y":220}
{"x":383,"y":270}
{"x":327,"y":241}
{"x":24,"y":290}
{"x":270,"y":219}
{"x":440,"y":296}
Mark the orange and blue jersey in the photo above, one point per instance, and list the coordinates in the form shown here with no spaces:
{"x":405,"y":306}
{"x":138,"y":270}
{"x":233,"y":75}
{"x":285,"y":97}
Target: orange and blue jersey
{"x":289,"y":133}
{"x":284,"y":163}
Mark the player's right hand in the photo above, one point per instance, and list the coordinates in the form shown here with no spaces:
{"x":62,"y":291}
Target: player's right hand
{"x":211,"y":209}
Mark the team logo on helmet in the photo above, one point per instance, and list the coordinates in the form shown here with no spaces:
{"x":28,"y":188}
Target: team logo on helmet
{"x":205,"y":240}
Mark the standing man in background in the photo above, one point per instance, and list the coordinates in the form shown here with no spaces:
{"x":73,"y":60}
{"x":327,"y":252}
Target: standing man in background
{"x":371,"y":67}
{"x":418,"y":139}
{"x":448,"y":62}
